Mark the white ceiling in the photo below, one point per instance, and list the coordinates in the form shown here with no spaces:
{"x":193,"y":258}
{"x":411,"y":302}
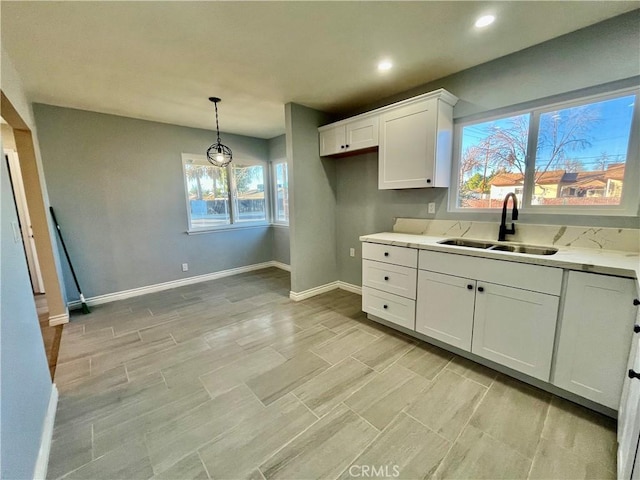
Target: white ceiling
{"x":161,"y":60}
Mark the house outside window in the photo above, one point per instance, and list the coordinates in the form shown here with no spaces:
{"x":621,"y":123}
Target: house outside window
{"x":220,"y":197}
{"x":572,"y":157}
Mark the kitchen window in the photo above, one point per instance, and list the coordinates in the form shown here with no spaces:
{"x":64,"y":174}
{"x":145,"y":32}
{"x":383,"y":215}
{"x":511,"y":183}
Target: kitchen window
{"x":219,"y":197}
{"x":281,"y":192}
{"x":573,"y":157}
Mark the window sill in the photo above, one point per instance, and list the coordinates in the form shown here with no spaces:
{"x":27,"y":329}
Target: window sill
{"x":280,"y":225}
{"x":227,"y":228}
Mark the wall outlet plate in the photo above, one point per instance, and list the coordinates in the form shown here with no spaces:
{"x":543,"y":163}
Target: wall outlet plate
{"x":432,"y":207}
{"x":352,"y":252}
{"x":185,"y":267}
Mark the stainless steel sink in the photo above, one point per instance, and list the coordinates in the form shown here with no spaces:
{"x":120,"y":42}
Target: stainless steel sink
{"x":500,"y":247}
{"x":463,"y":242}
{"x":528,"y":249}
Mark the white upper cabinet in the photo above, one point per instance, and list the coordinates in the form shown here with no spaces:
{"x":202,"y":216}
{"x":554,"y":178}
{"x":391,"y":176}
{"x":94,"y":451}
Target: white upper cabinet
{"x":349,"y":135}
{"x":414,"y":137}
{"x":415,"y":145}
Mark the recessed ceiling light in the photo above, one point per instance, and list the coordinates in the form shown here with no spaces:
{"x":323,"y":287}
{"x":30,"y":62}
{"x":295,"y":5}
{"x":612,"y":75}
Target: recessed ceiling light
{"x":485,"y":20}
{"x":385,"y":65}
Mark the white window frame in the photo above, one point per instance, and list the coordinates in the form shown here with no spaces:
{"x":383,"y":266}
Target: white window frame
{"x":233,"y":194}
{"x":630,"y":195}
{"x":274,"y":192}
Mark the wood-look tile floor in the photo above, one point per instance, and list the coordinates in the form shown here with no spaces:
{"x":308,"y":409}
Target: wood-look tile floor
{"x":51,"y":336}
{"x":230,"y":379}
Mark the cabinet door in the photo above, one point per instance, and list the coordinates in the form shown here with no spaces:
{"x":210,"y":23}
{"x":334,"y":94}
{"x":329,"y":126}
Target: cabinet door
{"x":595,"y":336}
{"x":629,"y":418}
{"x":332,"y":141}
{"x":444,"y":308}
{"x":407,"y":146}
{"x":362,"y":134}
{"x":515,"y":328}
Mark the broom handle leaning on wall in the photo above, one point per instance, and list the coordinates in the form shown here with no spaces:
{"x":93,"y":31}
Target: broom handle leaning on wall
{"x":64,"y":247}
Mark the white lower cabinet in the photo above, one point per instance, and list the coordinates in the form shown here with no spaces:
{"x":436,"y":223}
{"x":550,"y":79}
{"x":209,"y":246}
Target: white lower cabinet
{"x":525,"y":317}
{"x":389,"y":283}
{"x":390,"y":307}
{"x":515,"y":328}
{"x":444,"y":308}
{"x":629,"y":417}
{"x":595,"y":336}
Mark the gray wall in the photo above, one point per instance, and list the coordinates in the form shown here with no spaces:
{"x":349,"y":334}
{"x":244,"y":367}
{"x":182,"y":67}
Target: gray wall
{"x":117,"y":188}
{"x":606,"y":52}
{"x":312,"y":193}
{"x":25,"y":384}
{"x":281,"y":246}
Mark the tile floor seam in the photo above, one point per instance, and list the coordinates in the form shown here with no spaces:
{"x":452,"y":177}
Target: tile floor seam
{"x":378,"y":434}
{"x":455,"y":441}
{"x":367,"y":421}
{"x":424,"y":425}
{"x":284,"y":445}
{"x":535,"y":454}
{"x":204,"y":465}
{"x":303,"y":403}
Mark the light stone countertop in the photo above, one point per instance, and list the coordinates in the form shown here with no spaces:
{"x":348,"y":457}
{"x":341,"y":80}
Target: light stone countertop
{"x":608,"y":262}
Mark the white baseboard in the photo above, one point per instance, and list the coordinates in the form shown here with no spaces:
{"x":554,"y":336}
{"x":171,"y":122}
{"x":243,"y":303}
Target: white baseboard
{"x":281,"y":266}
{"x":40,"y":472}
{"x":312,"y":292}
{"x":59,"y":319}
{"x":350,"y":287}
{"x":158,"y":287}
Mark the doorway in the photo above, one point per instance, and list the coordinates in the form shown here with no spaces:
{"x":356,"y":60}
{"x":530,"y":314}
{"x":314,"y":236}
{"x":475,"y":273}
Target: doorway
{"x":24,"y":219}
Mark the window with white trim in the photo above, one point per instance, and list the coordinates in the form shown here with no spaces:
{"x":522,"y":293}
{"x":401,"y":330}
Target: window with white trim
{"x":223,"y":196}
{"x":573,"y":157}
{"x":280,"y":192}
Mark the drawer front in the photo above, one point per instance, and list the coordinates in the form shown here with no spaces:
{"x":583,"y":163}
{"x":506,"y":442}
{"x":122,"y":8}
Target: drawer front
{"x":406,"y":257}
{"x":393,"y":308}
{"x":519,"y":275}
{"x":390,"y":278}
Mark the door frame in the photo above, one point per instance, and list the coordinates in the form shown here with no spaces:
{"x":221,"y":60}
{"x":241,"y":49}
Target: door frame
{"x":40,"y":222}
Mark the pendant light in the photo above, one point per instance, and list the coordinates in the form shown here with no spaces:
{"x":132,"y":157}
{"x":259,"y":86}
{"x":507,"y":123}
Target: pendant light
{"x":218,"y":154}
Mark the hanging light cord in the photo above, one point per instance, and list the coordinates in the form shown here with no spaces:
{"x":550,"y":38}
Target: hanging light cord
{"x":217,"y":126}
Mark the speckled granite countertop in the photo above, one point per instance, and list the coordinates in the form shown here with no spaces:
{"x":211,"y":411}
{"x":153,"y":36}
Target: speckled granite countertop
{"x":608,"y":262}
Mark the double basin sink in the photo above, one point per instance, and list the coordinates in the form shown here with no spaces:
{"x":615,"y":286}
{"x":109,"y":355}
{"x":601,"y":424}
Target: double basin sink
{"x":500,"y":247}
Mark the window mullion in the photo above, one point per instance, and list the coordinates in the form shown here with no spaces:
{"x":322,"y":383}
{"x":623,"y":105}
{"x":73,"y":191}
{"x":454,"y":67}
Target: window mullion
{"x":530,"y":163}
{"x":233,"y":195}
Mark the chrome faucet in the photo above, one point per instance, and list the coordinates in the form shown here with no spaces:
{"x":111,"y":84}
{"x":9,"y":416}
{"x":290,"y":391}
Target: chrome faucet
{"x":514,"y":216}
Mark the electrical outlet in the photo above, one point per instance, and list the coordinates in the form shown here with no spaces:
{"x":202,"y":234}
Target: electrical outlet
{"x":185,"y":267}
{"x":352,"y":252}
{"x":432,"y":207}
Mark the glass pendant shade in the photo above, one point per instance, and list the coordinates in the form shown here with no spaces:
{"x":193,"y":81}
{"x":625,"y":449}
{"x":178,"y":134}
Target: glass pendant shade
{"x":218,"y":154}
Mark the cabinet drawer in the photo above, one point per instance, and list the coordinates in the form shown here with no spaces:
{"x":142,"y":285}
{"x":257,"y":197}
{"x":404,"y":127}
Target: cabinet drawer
{"x":406,"y":257}
{"x":393,"y":308}
{"x":390,"y":278}
{"x":519,"y":275}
